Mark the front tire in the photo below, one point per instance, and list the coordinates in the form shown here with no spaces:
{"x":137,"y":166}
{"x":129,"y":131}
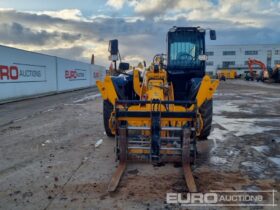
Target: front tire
{"x":107,"y":111}
{"x":206,"y":111}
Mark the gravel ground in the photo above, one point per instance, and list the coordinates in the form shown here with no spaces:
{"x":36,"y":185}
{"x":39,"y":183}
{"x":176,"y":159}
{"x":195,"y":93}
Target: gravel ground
{"x":48,"y":158}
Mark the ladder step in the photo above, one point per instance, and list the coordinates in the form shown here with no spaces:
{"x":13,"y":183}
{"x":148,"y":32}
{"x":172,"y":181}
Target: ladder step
{"x":171,"y":138}
{"x":171,"y":128}
{"x":162,"y":148}
{"x":148,"y":128}
{"x":163,"y":139}
{"x":138,"y":128}
{"x":139,"y":142}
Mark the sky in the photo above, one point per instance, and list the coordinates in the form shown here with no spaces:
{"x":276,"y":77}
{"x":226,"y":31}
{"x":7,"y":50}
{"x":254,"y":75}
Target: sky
{"x":76,"y":29}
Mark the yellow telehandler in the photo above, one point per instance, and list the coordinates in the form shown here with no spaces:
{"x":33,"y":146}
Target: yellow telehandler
{"x":158,"y":114}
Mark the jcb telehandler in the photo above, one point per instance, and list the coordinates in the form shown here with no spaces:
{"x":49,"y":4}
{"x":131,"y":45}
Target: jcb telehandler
{"x":158,"y":114}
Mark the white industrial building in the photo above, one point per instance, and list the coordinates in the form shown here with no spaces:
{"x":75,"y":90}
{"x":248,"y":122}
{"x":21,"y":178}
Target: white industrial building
{"x":236,"y":56}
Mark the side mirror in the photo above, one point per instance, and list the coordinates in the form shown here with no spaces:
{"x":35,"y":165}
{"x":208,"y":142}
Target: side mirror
{"x":124,"y":66}
{"x":113,"y":47}
{"x":212,"y":34}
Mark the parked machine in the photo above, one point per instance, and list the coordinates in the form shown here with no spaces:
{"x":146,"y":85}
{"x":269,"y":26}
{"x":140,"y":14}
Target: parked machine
{"x":224,"y":74}
{"x":159,"y":114}
{"x":253,"y":74}
{"x":274,"y":73}
{"x":271,"y":75}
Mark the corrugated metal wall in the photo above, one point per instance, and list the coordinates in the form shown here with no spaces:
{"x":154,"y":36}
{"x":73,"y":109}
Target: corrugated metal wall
{"x":25,"y":74}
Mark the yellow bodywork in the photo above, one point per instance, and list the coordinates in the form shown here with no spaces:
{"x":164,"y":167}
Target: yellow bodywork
{"x":228,"y":74}
{"x":156,"y":87}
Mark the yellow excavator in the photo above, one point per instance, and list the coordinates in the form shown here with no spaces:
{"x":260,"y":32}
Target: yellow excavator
{"x":158,"y":114}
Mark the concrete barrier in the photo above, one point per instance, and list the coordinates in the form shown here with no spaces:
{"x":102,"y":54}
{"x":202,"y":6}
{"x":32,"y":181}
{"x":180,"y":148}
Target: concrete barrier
{"x":72,"y":75}
{"x":26,"y":74}
{"x":97,"y":73}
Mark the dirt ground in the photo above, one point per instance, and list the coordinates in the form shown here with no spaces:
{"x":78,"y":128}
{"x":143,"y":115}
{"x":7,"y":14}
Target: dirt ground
{"x":48,"y":158}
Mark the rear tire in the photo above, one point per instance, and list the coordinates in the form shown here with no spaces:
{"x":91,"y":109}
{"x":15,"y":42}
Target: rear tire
{"x":206,"y":111}
{"x":107,"y":111}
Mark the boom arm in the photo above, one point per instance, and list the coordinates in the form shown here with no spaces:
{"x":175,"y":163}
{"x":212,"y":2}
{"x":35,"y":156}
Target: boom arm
{"x":252,"y":62}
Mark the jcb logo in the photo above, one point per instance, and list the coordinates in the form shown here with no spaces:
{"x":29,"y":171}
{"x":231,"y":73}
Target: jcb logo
{"x":9,"y":72}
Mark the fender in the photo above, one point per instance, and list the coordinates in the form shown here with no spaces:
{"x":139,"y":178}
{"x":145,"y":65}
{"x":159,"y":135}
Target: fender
{"x":206,"y":90}
{"x":107,"y":89}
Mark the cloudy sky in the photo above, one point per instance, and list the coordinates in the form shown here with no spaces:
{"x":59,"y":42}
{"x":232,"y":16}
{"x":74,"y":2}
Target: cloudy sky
{"x":77,"y":28}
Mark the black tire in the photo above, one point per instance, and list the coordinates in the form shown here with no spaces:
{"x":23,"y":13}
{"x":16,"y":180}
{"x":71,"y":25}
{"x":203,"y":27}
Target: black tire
{"x":206,"y":111}
{"x":107,"y":110}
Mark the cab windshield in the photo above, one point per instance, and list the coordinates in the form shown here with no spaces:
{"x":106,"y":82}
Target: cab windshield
{"x":184,"y":49}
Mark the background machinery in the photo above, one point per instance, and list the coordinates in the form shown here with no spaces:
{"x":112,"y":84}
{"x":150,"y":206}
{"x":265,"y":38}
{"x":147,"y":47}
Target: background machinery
{"x":253,"y":74}
{"x":226,"y":74}
{"x":267,"y":74}
{"x":274,"y":73}
{"x":158,"y":114}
